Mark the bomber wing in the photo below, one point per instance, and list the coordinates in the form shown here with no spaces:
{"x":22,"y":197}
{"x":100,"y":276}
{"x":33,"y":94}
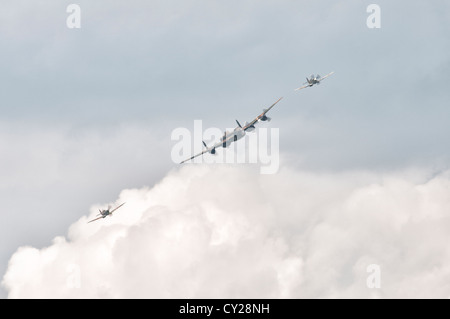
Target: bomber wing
{"x":252,"y":123}
{"x":192,"y":157}
{"x":206,"y":150}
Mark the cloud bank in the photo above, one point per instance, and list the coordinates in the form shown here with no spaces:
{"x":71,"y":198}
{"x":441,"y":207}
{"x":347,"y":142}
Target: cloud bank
{"x":229,"y":232}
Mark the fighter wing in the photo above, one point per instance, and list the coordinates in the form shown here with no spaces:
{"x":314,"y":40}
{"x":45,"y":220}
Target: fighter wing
{"x":260,"y":115}
{"x":324,"y":77}
{"x":95,"y":219}
{"x":302,"y":87}
{"x":117,"y":208}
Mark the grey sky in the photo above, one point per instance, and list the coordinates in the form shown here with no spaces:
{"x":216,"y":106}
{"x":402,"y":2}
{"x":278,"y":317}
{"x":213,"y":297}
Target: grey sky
{"x":86,"y":113}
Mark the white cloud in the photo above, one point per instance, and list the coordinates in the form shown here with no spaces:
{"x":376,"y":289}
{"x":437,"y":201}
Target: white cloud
{"x":318,"y":231}
{"x":51,"y":173}
{"x":207,"y":232}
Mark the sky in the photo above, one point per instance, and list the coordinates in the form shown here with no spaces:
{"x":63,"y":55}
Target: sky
{"x":86,"y":117}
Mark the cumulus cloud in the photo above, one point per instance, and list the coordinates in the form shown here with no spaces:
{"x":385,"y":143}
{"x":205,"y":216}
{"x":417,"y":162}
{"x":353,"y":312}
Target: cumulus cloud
{"x":51,"y":174}
{"x":229,"y":232}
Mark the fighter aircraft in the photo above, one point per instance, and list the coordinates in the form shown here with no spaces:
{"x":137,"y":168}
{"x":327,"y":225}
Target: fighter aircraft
{"x":314,"y":79}
{"x":106,"y":212}
{"x":236,"y":134}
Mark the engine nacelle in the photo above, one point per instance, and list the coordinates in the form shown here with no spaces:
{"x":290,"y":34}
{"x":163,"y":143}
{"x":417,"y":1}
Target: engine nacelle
{"x":225,"y":135}
{"x":213,"y":151}
{"x":265,"y":118}
{"x":250,"y":128}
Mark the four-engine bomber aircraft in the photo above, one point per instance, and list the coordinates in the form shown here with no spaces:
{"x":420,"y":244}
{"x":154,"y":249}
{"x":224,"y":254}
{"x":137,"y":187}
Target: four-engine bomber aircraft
{"x":106,"y":212}
{"x":236,"y":134}
{"x":314,"y":79}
